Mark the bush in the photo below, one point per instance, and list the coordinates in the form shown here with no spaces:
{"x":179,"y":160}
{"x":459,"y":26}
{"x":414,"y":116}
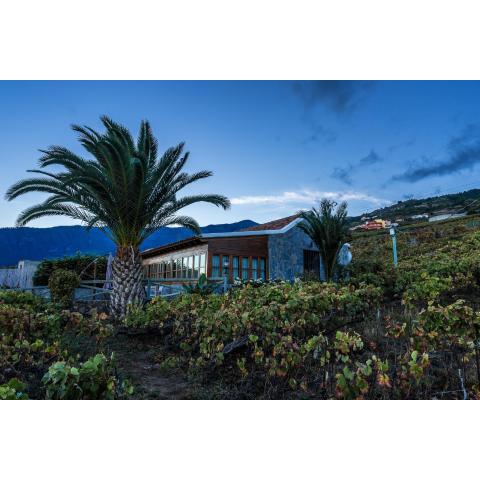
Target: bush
{"x":264,"y":332}
{"x":153,"y":315}
{"x":202,"y":286}
{"x":76,"y":263}
{"x":62,"y":285}
{"x":13,"y":390}
{"x":20,"y":299}
{"x":94,"y":379}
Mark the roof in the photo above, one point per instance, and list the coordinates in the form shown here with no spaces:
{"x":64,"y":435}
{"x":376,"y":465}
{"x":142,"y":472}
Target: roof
{"x":180,"y":244}
{"x":273,"y":225}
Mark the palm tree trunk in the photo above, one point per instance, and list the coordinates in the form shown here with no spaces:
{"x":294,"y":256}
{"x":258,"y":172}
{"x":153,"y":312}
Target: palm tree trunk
{"x":127,"y":281}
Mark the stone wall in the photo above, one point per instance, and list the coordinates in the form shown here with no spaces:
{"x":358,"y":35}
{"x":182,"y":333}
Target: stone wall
{"x":285,"y":254}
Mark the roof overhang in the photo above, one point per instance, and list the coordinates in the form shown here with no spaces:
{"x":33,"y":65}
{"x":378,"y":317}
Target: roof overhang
{"x":170,"y":247}
{"x":250,"y":233}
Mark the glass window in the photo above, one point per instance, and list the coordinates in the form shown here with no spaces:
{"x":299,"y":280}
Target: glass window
{"x":190,"y":267}
{"x":235,"y":268}
{"x":215,"y":266}
{"x":179,"y":267}
{"x":254,"y":268}
{"x":202,"y":264}
{"x":225,"y":265}
{"x":195,"y":266}
{"x":184,"y":267}
{"x":262,"y":268}
{"x":244,"y":268}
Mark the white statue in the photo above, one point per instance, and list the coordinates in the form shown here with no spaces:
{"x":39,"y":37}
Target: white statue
{"x":344,"y":255}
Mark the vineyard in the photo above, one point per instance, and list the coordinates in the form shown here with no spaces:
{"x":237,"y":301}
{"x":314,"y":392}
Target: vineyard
{"x":407,"y":333}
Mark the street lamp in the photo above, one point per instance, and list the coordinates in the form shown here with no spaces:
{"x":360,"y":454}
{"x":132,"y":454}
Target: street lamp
{"x":393,"y":234}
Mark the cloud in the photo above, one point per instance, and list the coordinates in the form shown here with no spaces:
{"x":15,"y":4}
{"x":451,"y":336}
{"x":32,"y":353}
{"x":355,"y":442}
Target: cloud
{"x":320,"y":134}
{"x":306,"y":198}
{"x":344,"y":173}
{"x":462,"y":153}
{"x":393,"y":148}
{"x":340,"y":96}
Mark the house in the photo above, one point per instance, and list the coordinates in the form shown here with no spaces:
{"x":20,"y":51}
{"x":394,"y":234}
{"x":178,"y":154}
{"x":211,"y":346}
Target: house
{"x":377,"y":224}
{"x":273,"y":250}
{"x":439,"y":216}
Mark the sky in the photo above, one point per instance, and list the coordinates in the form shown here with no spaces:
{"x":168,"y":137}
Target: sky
{"x":275,"y":147}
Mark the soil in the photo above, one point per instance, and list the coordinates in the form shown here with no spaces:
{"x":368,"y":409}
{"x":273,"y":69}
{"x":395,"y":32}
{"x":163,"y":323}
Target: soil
{"x":138,"y":359}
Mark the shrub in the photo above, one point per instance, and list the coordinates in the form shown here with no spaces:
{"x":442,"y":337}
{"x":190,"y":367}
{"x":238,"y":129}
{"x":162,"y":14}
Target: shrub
{"x":77,"y":263}
{"x":93,"y":379}
{"x":152,"y":315}
{"x":62,"y":285}
{"x":271,"y":331}
{"x":13,"y":390}
{"x":202,"y":286}
{"x":20,"y":299}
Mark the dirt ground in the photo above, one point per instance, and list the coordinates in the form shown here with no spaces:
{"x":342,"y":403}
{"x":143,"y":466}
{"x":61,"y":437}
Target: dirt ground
{"x":138,"y":360}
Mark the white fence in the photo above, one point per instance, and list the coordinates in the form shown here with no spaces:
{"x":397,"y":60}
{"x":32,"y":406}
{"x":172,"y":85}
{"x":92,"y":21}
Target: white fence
{"x":17,"y":277}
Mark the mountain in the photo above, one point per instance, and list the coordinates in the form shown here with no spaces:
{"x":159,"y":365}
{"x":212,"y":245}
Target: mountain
{"x":468,"y":201}
{"x":54,"y":242}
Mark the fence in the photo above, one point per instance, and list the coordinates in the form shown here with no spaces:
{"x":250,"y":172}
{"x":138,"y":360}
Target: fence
{"x":17,"y":277}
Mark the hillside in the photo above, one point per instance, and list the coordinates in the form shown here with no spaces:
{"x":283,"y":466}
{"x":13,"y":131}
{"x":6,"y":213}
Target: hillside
{"x":467,"y":201}
{"x":39,"y":243}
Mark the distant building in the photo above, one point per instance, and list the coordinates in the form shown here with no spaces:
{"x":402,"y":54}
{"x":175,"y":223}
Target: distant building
{"x":20,"y":276}
{"x":377,"y":224}
{"x":446,"y":216}
{"x":419,"y":216}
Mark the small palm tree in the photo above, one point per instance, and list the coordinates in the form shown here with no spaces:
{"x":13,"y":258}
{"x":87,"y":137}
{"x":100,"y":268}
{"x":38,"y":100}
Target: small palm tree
{"x":127,"y":190}
{"x":327,"y":228}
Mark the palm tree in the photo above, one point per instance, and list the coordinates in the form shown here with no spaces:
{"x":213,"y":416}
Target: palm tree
{"x":127,"y":190}
{"x":328,"y":229}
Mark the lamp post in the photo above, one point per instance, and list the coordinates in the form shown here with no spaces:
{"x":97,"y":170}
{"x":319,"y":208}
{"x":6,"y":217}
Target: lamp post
{"x":393,"y":234}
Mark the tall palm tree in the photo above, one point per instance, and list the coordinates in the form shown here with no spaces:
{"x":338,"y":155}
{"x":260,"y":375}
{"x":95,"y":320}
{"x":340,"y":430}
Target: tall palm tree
{"x":127,"y":190}
{"x":327,"y":228}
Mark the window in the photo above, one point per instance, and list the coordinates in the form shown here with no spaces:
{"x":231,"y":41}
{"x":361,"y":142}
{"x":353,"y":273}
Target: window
{"x":184,"y":267}
{"x":215,"y":266}
{"x":179,"y":267}
{"x":235,"y":268}
{"x":163,"y":269}
{"x":225,"y":266}
{"x":254,"y":268}
{"x":174,"y":269}
{"x":244,"y":268}
{"x":190,"y":267}
{"x":262,"y":268}
{"x":195,"y":266}
{"x":203,"y":269}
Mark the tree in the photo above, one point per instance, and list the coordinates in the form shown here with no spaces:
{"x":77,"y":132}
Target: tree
{"x":327,"y":228}
{"x":127,"y":190}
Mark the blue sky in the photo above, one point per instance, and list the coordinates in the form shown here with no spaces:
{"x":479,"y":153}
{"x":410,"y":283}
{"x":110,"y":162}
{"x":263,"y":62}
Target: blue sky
{"x":275,"y":147}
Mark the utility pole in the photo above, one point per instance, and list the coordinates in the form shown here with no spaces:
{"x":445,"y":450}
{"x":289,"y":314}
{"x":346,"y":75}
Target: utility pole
{"x":393,"y":234}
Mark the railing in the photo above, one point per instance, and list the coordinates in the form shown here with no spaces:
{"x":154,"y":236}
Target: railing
{"x":95,"y":289}
{"x":170,"y":290}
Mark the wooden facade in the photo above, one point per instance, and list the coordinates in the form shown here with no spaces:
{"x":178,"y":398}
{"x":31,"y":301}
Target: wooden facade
{"x":244,"y":257}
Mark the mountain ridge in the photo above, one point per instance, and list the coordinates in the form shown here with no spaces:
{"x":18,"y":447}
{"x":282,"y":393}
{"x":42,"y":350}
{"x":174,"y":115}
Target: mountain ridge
{"x":34,"y":243}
